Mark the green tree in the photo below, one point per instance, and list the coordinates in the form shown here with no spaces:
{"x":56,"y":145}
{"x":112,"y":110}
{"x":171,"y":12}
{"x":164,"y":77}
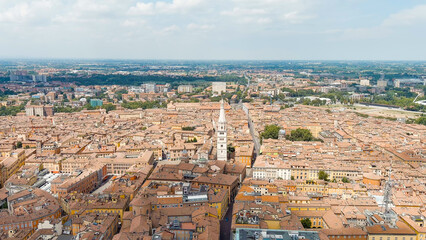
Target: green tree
{"x":143,"y":105}
{"x":191,"y":140}
{"x":231,"y":149}
{"x":292,"y":177}
{"x":271,"y":131}
{"x":323,"y":175}
{"x":67,"y":109}
{"x":109,"y":107}
{"x":19,"y":144}
{"x":4,"y":206}
{"x":421,"y":120}
{"x":119,"y":93}
{"x":12,"y":110}
{"x":345,"y":180}
{"x":300,"y":134}
{"x":306,"y":222}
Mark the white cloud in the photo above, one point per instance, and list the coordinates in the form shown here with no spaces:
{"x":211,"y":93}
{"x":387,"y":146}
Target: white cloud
{"x":264,"y":20}
{"x":92,"y":11}
{"x":390,"y":25}
{"x":239,"y":12}
{"x":142,"y":9}
{"x":161,"y":7}
{"x":296,"y":17}
{"x":412,"y":16}
{"x":168,"y":30}
{"x":16,"y":14}
{"x":180,"y":6}
{"x":133,"y":23}
{"x":22,"y":11}
{"x":199,"y":27}
{"x":371,"y":33}
{"x":268,"y":11}
{"x":248,"y":27}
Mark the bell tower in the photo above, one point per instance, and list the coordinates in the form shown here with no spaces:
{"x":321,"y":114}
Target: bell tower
{"x":222,"y":147}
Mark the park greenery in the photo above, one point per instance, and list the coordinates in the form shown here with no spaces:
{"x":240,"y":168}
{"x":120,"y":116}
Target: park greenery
{"x":68,"y":109}
{"x":5,"y":94}
{"x":188,"y":128}
{"x":270,"y":132}
{"x":315,"y":102}
{"x":421,"y":120}
{"x":193,"y":140}
{"x":399,"y":97}
{"x":306,"y":222}
{"x":135,"y":80}
{"x":11,"y":110}
{"x":228,"y":97}
{"x":119,"y":93}
{"x":231,"y":148}
{"x":363,"y":115}
{"x":144,"y":105}
{"x":301,"y":134}
{"x":322,"y":175}
{"x":110,"y":107}
{"x":299,"y":93}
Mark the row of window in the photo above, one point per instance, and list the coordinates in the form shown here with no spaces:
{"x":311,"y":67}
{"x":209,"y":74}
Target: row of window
{"x":19,"y":226}
{"x":389,"y":238}
{"x":355,"y":236}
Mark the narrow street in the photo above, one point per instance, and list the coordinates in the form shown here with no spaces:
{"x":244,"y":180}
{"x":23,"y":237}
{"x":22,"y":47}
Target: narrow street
{"x":225,"y":226}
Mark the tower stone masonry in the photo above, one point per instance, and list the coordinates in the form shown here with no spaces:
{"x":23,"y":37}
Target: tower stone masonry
{"x":222,"y":147}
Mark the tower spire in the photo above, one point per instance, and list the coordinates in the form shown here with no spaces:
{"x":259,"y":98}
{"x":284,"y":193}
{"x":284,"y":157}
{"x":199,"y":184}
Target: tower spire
{"x":222,"y":112}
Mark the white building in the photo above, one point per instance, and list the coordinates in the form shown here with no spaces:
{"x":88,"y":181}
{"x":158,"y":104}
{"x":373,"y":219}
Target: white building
{"x":149,"y":87}
{"x":268,"y":168}
{"x":222,"y":147}
{"x":218,"y":87}
{"x":136,"y":89}
{"x":397,"y":83}
{"x":364,"y":82}
{"x":185,"y":89}
{"x":35,"y":110}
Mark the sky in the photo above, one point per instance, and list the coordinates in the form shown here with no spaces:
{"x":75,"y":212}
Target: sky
{"x":214,"y":29}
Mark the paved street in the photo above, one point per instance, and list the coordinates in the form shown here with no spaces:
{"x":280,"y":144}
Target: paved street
{"x":105,"y":184}
{"x":225,"y":226}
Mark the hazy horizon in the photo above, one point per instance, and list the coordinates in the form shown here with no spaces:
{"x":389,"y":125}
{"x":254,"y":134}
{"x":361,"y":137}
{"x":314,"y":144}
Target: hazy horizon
{"x":205,"y":60}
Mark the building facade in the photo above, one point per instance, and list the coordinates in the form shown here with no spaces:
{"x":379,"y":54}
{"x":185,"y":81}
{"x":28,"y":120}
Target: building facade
{"x":185,"y":89}
{"x":218,"y":87}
